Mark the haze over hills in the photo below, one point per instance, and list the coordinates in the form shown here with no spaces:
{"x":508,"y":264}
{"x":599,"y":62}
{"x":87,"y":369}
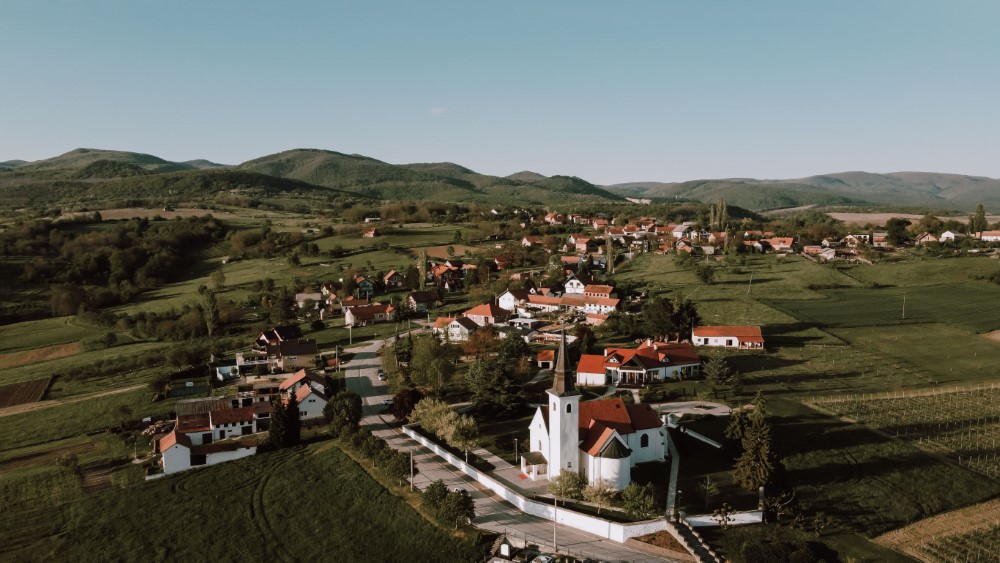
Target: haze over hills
{"x":927,"y":189}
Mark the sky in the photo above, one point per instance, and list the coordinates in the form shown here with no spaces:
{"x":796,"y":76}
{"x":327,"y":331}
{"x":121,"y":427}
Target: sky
{"x":607,"y":91}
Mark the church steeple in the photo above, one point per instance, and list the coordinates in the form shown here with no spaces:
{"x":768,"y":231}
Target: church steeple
{"x":564,"y":383}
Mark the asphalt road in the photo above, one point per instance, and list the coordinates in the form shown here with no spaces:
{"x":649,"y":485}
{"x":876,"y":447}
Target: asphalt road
{"x":491,"y":512}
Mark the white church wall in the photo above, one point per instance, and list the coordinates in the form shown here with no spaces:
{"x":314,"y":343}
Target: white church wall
{"x":597,"y":526}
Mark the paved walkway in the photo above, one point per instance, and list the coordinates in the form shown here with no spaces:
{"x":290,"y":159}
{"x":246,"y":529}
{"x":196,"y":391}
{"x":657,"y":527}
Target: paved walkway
{"x":492,"y":513}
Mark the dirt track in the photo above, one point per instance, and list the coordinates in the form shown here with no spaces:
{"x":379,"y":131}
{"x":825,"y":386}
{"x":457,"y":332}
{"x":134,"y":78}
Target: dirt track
{"x":19,"y":409}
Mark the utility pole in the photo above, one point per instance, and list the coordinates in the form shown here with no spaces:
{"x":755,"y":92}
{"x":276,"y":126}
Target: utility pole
{"x":904,"y":306}
{"x":555,"y":512}
{"x":411,"y":471}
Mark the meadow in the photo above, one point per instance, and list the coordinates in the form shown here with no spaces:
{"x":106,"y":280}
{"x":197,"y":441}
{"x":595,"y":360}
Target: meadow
{"x":306,"y":503}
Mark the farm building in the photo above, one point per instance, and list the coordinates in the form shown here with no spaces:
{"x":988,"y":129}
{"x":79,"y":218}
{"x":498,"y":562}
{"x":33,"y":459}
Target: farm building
{"x":728,"y":336}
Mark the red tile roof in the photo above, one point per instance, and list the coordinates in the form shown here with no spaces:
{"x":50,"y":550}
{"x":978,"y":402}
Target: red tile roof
{"x":603,"y":289}
{"x":487,"y":310}
{"x":597,"y":435}
{"x":301,"y":375}
{"x":172,"y":439}
{"x":591,"y":363}
{"x":745,"y":333}
{"x":442,"y":322}
{"x":193,"y":422}
{"x":546,"y":355}
{"x":232,"y":416}
{"x":614,"y":413}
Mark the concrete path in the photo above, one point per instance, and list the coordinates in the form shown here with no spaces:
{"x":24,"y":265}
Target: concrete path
{"x":738,"y":519}
{"x":492,"y":513}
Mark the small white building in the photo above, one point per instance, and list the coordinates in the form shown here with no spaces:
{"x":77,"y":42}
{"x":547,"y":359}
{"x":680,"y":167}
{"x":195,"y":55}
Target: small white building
{"x":728,"y":336}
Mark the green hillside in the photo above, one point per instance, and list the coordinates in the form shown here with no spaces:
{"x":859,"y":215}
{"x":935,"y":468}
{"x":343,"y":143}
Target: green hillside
{"x":188,"y":185}
{"x":78,"y":159}
{"x":437,"y":181}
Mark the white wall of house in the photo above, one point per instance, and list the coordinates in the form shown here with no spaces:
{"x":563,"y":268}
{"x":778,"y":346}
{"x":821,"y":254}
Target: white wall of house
{"x":176,"y":458}
{"x":575,"y":286}
{"x":232,"y":429}
{"x":584,"y":378}
{"x":508,"y":302}
{"x":311,"y":407}
{"x":722,"y":341}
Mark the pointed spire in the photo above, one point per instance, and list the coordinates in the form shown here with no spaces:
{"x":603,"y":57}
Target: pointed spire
{"x":563,"y":384}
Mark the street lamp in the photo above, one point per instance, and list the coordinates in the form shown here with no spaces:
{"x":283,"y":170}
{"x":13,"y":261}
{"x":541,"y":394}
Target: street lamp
{"x":515,"y":452}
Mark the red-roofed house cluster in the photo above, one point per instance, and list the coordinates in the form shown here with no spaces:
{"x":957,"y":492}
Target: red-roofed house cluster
{"x":219,"y":429}
{"x":601,"y":439}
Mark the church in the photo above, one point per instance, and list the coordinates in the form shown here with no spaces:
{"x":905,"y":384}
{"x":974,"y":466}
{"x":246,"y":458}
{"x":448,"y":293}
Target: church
{"x":600,"y":439}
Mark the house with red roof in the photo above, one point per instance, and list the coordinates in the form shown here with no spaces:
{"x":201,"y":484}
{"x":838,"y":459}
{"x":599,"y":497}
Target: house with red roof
{"x":487,"y":314}
{"x":369,"y":314}
{"x":650,"y":362}
{"x":601,"y":439}
{"x":212,"y":430}
{"x":728,"y":336}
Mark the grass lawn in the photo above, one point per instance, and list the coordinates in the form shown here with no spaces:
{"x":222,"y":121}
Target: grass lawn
{"x":307,"y":503}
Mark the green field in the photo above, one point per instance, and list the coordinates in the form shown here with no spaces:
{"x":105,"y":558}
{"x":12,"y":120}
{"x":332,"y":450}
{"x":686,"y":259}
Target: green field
{"x":45,"y":332}
{"x":962,"y":304}
{"x":308,"y":503}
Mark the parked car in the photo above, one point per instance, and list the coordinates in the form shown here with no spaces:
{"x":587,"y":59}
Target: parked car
{"x":381,"y":375}
{"x":387,"y":401}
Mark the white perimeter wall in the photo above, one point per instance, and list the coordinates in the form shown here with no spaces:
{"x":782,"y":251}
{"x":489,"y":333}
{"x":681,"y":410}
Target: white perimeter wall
{"x":591,"y":524}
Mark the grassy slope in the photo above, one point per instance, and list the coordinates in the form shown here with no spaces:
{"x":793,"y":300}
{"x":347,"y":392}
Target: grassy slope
{"x":309,"y":503}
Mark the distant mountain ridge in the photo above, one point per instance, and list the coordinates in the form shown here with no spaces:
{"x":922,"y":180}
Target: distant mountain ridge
{"x":314,"y":170}
{"x":930,"y":189}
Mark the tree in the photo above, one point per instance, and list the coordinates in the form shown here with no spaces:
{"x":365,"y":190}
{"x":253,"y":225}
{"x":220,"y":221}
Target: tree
{"x":278,"y":430}
{"x":759,"y":464}
{"x":431,"y":414}
{"x":434,"y":495}
{"x":658,"y":318}
{"x":708,"y":488}
{"x":599,"y":493}
{"x":705,"y":273}
{"x":896,"y":231}
{"x":716,"y":369}
{"x":404,"y":402}
{"x":638,"y":501}
{"x":568,"y":484}
{"x":343,"y":409}
{"x":463,"y":434}
{"x":977,"y":223}
{"x":491,"y":387}
{"x":396,"y":465}
{"x":422,"y":268}
{"x":723,"y":515}
{"x":218,"y":279}
{"x":458,"y":508}
{"x":685,"y":317}
{"x":430,"y":366}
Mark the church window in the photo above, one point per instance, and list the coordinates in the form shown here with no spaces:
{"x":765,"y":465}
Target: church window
{"x":569,"y":407}
{"x":644,"y":441}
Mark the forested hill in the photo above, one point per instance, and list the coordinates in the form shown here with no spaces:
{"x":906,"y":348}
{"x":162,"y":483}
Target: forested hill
{"x":926,"y":189}
{"x":437,"y":181}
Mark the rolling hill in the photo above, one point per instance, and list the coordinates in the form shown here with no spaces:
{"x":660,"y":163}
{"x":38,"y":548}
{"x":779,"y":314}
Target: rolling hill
{"x":926,"y":189}
{"x":440,"y":181}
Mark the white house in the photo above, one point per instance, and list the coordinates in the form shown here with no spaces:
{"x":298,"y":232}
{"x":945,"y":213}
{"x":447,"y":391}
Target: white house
{"x":650,"y":362}
{"x":600,"y":439}
{"x":989,"y":236}
{"x":512,"y":298}
{"x":728,"y":336}
{"x":461,"y":328}
{"x":574,"y":286}
{"x":311,"y":402}
{"x":951,"y":236}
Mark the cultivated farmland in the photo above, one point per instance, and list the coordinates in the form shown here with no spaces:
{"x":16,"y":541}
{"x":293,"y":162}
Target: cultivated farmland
{"x":969,"y":534}
{"x":961,"y":423}
{"x":21,"y":393}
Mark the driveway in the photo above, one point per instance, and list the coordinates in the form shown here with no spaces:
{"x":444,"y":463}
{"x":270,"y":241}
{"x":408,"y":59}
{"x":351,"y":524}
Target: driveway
{"x":491,"y":512}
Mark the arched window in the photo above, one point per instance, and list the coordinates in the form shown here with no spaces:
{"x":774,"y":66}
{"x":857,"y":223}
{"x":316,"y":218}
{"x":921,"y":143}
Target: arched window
{"x":644,"y":441}
{"x":569,"y":407}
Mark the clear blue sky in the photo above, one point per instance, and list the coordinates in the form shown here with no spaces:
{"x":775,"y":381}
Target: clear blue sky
{"x":608,"y":91}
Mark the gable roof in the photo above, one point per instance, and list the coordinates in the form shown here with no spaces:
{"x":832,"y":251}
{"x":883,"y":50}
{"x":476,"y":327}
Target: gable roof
{"x":466,"y":323}
{"x":293,"y":348}
{"x":546,"y":356}
{"x":369,"y":312}
{"x":306,"y":390}
{"x":590,"y":363}
{"x":302,"y":375}
{"x":603,"y":289}
{"x":746,"y":333}
{"x":487,"y":310}
{"x":614,"y":413}
{"x":442,"y":322}
{"x":172,"y":439}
